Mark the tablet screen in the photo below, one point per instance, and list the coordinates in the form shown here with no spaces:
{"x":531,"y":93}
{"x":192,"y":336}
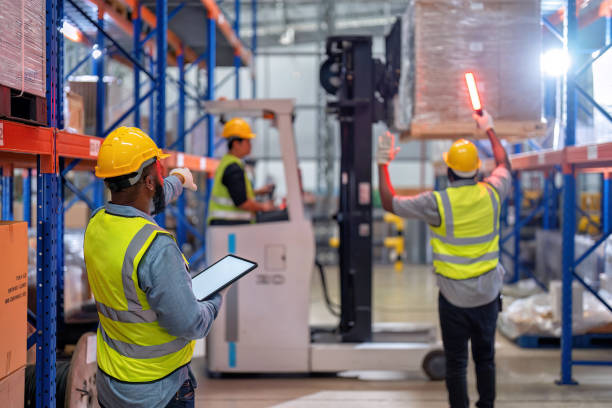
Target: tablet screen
{"x":219,"y":275}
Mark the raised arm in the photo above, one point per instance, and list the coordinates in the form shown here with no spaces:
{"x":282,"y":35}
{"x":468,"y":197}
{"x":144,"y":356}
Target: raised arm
{"x":499,"y":153}
{"x":384,"y":155}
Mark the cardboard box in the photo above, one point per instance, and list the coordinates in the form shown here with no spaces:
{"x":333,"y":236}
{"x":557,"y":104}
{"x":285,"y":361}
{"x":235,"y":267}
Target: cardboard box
{"x":12,"y":389}
{"x":13,"y":296}
{"x":498,"y":40}
{"x":23,"y":58}
{"x":77,"y":216}
{"x":75,"y":114}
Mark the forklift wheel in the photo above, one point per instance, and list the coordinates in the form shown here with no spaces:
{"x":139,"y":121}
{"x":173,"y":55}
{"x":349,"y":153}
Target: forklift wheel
{"x":434,"y":365}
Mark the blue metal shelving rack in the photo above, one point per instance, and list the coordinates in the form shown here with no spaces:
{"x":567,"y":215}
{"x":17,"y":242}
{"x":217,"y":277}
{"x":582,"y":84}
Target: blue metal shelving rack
{"x":53,"y":160}
{"x":569,"y":161}
{"x":569,"y":262}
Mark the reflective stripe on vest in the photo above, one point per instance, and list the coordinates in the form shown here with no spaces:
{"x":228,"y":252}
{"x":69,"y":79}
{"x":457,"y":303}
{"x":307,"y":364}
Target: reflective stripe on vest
{"x":221,"y":205}
{"x":132,"y":346}
{"x":466,"y":244}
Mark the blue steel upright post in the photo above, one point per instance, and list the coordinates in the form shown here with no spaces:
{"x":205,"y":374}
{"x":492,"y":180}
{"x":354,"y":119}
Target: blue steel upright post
{"x":152,"y":100}
{"x":7,"y":193}
{"x":161,"y":10}
{"x":570,"y":28}
{"x":518,"y":199}
{"x":48,"y":205}
{"x":606,"y":202}
{"x":98,"y":69}
{"x":137,"y":22}
{"x":237,"y":61}
{"x":210,"y":95}
{"x":181,"y":234}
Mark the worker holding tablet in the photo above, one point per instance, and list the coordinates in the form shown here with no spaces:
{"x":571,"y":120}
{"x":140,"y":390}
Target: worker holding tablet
{"x":149,"y":317}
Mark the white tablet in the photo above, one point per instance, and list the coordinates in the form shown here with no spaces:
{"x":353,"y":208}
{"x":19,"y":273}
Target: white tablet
{"x":220,"y":275}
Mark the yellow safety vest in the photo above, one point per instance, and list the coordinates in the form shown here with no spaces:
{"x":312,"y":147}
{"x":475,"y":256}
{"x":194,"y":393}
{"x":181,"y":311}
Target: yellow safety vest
{"x":132,"y":346}
{"x":466,"y":244}
{"x":221,"y":206}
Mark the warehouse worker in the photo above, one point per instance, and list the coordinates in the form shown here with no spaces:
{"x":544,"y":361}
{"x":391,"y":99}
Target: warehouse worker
{"x":149,"y":317}
{"x":232,"y":200}
{"x":464,"y":224}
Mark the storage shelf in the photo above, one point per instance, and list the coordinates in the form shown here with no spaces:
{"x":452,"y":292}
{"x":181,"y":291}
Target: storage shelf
{"x":193,"y":163}
{"x":20,"y":145}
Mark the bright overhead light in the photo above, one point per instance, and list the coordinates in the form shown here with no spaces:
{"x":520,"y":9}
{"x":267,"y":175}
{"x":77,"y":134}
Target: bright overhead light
{"x":556,"y":62}
{"x":288,"y":37}
{"x":96,"y":53}
{"x":71,"y":32}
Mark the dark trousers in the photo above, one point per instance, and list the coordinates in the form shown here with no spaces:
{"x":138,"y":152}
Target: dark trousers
{"x":184,"y":397}
{"x":459,"y":325}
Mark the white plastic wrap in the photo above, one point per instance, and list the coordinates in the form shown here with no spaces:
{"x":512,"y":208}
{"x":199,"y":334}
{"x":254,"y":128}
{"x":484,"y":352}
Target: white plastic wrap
{"x":548,"y":258}
{"x":534,"y":316}
{"x":498,"y":40}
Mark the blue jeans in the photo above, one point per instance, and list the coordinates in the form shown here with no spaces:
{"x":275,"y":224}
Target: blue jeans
{"x":184,"y":397}
{"x":459,"y":325}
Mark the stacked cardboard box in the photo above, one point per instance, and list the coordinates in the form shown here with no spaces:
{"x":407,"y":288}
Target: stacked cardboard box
{"x":75,"y":113}
{"x":23,"y":59}
{"x":13,"y":311}
{"x":498,"y":40}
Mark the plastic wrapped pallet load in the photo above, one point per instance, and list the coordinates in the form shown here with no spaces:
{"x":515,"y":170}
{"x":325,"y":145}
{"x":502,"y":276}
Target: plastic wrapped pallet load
{"x":498,"y":40}
{"x":22,"y":46}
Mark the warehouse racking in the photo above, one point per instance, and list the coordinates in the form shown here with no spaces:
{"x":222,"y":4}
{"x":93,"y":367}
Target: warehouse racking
{"x":569,"y":161}
{"x":52,"y":152}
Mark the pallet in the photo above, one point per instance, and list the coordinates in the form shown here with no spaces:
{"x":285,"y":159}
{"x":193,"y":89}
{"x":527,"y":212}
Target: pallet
{"x":455,"y":130}
{"x":28,"y":108}
{"x":584,"y":341}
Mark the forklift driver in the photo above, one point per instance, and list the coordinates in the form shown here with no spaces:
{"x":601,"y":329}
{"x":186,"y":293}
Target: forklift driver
{"x":232,"y":199}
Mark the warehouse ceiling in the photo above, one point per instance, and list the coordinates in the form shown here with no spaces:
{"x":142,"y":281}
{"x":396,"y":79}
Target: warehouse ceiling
{"x":279,"y":22}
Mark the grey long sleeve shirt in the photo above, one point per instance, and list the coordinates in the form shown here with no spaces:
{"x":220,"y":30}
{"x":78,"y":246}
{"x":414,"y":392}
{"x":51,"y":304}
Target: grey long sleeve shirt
{"x":468,"y":292}
{"x":165,"y":280}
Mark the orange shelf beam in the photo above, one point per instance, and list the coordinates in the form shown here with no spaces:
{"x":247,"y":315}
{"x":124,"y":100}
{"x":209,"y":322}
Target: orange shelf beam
{"x":226,"y":29}
{"x":193,"y":163}
{"x":75,"y":146}
{"x":590,"y":158}
{"x":18,"y":140}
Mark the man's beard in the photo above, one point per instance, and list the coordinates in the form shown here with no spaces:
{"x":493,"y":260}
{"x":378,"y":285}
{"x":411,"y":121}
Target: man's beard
{"x":159,"y":200}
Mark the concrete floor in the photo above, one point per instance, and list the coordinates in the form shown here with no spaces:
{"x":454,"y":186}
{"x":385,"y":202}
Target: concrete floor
{"x":525,"y":377}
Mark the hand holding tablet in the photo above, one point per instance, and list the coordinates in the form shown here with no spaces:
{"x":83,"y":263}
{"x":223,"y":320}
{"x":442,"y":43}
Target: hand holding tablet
{"x":220,"y":275}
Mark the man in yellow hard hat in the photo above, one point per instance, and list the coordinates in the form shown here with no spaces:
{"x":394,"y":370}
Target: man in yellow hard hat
{"x":464,"y":225}
{"x":232,"y":200}
{"x":149,"y":317}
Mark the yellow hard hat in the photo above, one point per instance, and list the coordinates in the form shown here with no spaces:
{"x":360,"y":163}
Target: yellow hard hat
{"x":238,"y":127}
{"x":462,"y":157}
{"x":124,"y":151}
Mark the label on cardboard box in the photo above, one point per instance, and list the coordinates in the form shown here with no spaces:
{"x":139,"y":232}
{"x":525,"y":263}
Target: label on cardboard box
{"x":180,"y":160}
{"x":592,"y":152}
{"x":94,"y":147}
{"x":202,"y":163}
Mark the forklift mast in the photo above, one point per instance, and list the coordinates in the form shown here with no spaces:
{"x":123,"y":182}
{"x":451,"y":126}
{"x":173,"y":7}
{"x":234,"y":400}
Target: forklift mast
{"x":349,"y":73}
